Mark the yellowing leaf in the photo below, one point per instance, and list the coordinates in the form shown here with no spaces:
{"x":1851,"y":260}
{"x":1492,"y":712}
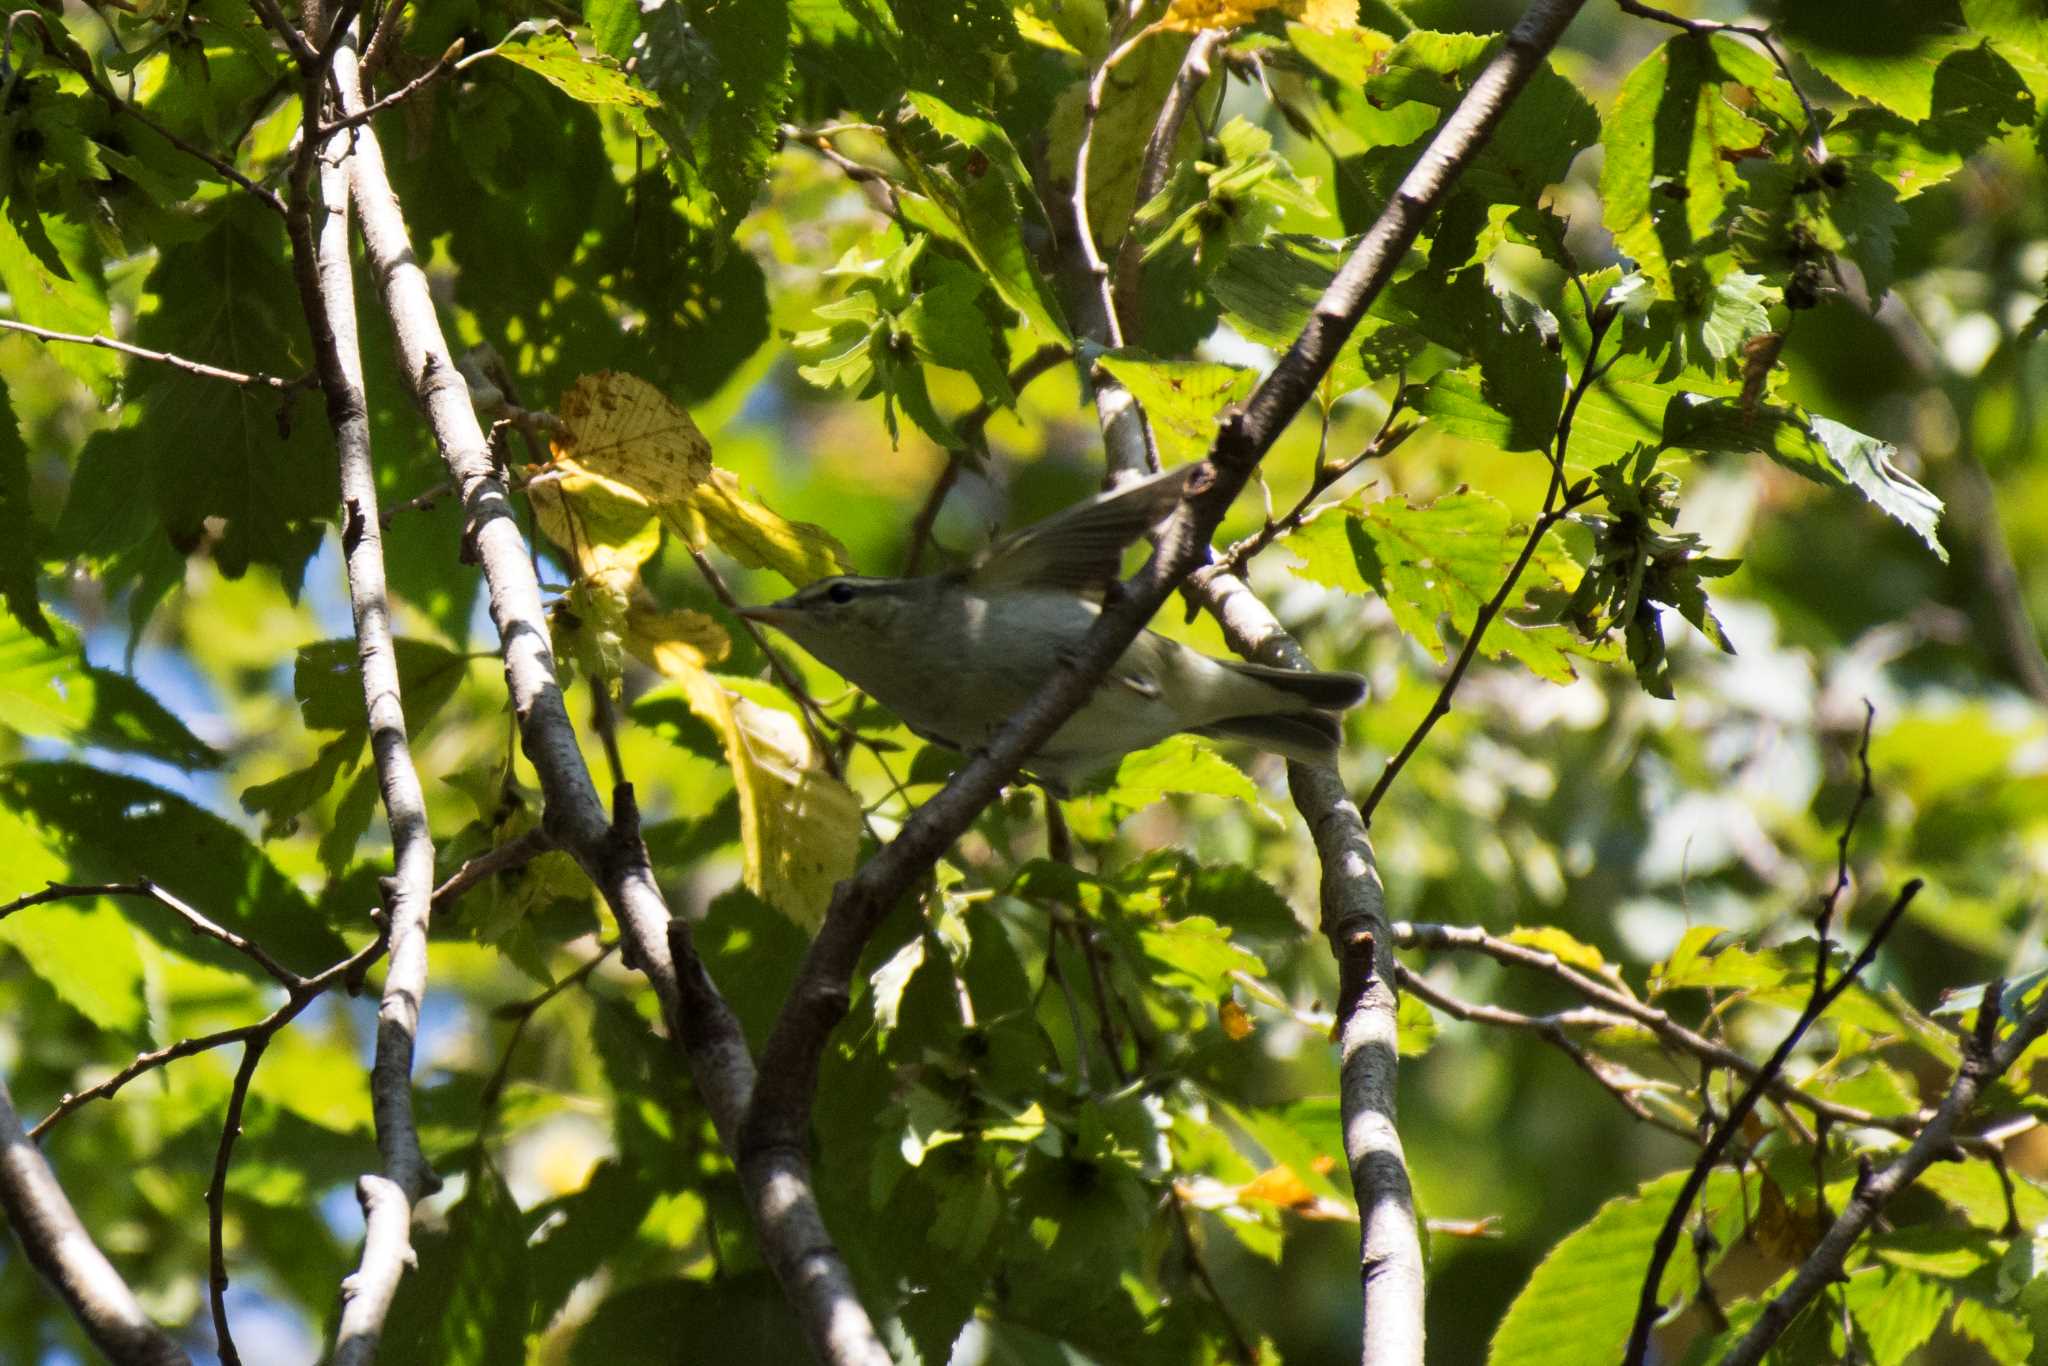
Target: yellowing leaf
{"x":1559,"y":945}
{"x":625,"y":445}
{"x":1236,"y":1021}
{"x":1192,"y":16}
{"x":1277,"y":1186}
{"x":673,"y":641}
{"x":606,"y":527}
{"x":755,"y":535}
{"x":799,"y":825}
{"x":624,"y":428}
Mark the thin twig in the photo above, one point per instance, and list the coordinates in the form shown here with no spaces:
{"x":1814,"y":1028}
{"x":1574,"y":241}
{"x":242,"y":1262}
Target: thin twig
{"x":105,"y":93}
{"x":1986,"y":1057}
{"x":192,"y":367}
{"x":868,"y":178}
{"x":448,"y":62}
{"x":146,"y":890}
{"x":1647,"y":1305}
{"x":1759,"y":34}
{"x":521,"y":1014}
{"x":1246,"y":1350}
{"x":1669,"y":1032}
{"x":1384,"y":442}
{"x":512,"y":854}
{"x":217,"y":1199}
{"x":1553,"y":1030}
{"x":347,"y":971}
{"x":1558,"y":503}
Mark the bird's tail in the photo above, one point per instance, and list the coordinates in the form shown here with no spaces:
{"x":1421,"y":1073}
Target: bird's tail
{"x":1323,"y":691}
{"x":1288,"y":711}
{"x":1307,"y":737}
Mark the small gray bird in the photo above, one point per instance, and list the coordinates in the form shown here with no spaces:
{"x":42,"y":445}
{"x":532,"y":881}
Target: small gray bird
{"x":955,"y":654}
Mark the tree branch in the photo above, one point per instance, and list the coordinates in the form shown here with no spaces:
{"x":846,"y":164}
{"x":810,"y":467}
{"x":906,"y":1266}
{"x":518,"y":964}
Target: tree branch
{"x":57,"y":1245}
{"x":659,"y":944}
{"x":317,"y":222}
{"x":1553,"y":1029}
{"x":1647,"y":1305}
{"x":146,"y":890}
{"x":190,"y":367}
{"x":778,"y":1119}
{"x":1985,"y":1058}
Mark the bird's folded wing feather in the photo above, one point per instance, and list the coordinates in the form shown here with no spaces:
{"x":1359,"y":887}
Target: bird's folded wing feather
{"x":1082,"y":547}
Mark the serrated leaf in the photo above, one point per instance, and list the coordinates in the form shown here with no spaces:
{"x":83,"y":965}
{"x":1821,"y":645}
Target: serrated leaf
{"x":84,"y":950}
{"x":545,"y":48}
{"x":627,"y":444}
{"x":47,"y":690}
{"x":1196,"y":955}
{"x":1559,"y":945}
{"x":800,"y":827}
{"x":1673,"y":147}
{"x":1179,"y":764}
{"x":1895,"y":1311}
{"x":1438,"y":564}
{"x":1823,"y":450}
{"x":227,"y":450}
{"x":723,"y":73}
{"x":1181,"y":399}
{"x":1885,"y":51}
{"x":1570,"y":1313}
{"x":74,"y":300}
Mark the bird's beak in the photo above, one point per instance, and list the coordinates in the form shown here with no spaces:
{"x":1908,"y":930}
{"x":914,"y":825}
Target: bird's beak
{"x":769,"y":614}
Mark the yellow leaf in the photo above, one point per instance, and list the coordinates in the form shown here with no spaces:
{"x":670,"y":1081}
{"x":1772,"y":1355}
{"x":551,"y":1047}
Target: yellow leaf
{"x":799,"y":825}
{"x":627,"y":430}
{"x":1559,"y":945}
{"x":623,"y":438}
{"x":757,"y":536}
{"x":1236,"y":1021}
{"x":1278,"y":1186}
{"x":606,"y":528}
{"x":674,"y":641}
{"x":1192,"y":16}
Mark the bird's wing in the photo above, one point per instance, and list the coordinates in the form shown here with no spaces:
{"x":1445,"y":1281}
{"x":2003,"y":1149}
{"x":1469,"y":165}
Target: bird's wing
{"x":1080,"y":548}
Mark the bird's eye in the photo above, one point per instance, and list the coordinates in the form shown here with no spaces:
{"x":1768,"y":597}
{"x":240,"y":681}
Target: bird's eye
{"x":840,"y":593}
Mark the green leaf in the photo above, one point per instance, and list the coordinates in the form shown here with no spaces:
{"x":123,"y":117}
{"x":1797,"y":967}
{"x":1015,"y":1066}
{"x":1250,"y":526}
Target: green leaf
{"x":1673,"y":145}
{"x":1823,"y":450}
{"x":1438,"y":564}
{"x":467,"y":1303}
{"x":2003,"y":1335}
{"x":1885,"y":51}
{"x":723,"y":73}
{"x":545,"y":48}
{"x":983,"y":215}
{"x":1520,"y":371}
{"x":85,"y":948}
{"x":18,"y":548}
{"x":223,"y":450}
{"x":1196,"y":955}
{"x":1182,"y":399}
{"x":1579,"y":1302}
{"x":72,"y":299}
{"x":1178,"y":764}
{"x":1895,"y":1311}
{"x":47,"y":690}
{"x":107,"y":827}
